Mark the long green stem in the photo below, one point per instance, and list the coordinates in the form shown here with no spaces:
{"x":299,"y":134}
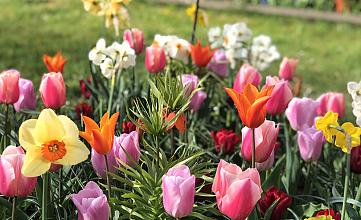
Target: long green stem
{"x":172,"y":141}
{"x":60,"y":182}
{"x":253,"y":148}
{"x":307,"y":182}
{"x":111,"y":94}
{"x":157,"y":148}
{"x":195,"y":23}
{"x":347,"y":179}
{"x":358,"y":195}
{"x":46,"y":196}
{"x":13,"y":209}
{"x":109,"y":184}
{"x":6,"y":128}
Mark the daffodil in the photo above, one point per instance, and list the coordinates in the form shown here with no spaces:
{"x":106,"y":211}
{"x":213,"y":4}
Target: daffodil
{"x":327,"y":125}
{"x":202,"y":17}
{"x":50,"y":139}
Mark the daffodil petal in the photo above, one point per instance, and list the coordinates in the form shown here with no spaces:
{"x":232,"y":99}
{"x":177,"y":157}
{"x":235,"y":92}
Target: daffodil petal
{"x":48,"y":127}
{"x":76,"y":152}
{"x":34,"y":164}
{"x":71,"y":128}
{"x":26,"y":131}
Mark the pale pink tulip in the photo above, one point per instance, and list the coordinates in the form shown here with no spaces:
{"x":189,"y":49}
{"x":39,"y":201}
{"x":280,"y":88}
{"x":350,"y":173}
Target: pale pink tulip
{"x":310,"y":142}
{"x":9,"y":86}
{"x":219,"y":63}
{"x":135,"y":39}
{"x":246,"y":74}
{"x":197,"y":100}
{"x":331,"y":101}
{"x":52,"y":90}
{"x":155,"y":59}
{"x":267,"y":164}
{"x":301,"y":113}
{"x":127,"y":144}
{"x":99,"y":165}
{"x":287,"y":68}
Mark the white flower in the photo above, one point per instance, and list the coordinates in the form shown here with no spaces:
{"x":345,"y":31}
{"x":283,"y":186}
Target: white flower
{"x":236,"y":54}
{"x":107,"y":68}
{"x":215,"y":37}
{"x":354,"y":89}
{"x":179,"y":49}
{"x":122,"y":54}
{"x":97,"y":54}
{"x":236,"y":35}
{"x":263,"y":53}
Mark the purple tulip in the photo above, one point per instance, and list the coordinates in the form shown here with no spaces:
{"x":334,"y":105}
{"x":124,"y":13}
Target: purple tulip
{"x":190,"y":82}
{"x":128,"y":143}
{"x":27,"y":97}
{"x":310,"y":142}
{"x":91,"y":203}
{"x":219,"y":63}
{"x":301,"y":113}
{"x":197,"y":100}
{"x":99,"y":165}
{"x":178,"y":187}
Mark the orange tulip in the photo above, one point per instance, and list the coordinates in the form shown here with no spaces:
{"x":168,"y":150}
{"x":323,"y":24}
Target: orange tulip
{"x":201,"y":55}
{"x":180,"y":124}
{"x":100,"y":138}
{"x":54,"y":64}
{"x":251,"y":104}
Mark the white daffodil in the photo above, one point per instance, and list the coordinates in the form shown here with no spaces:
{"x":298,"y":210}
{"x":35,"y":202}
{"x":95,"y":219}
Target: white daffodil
{"x":122,"y":54}
{"x":97,"y":54}
{"x":107,"y":68}
{"x":354,"y":89}
{"x":263,"y":53}
{"x":178,"y":49}
{"x":215,"y":37}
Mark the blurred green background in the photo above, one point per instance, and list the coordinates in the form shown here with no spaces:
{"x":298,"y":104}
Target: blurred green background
{"x":329,"y":53}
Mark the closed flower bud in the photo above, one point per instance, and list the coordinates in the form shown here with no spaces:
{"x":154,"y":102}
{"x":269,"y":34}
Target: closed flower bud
{"x":287,"y":68}
{"x":310,"y":142}
{"x":280,"y":97}
{"x":27,"y":98}
{"x":155,"y":59}
{"x":331,"y":101}
{"x":271,"y":195}
{"x":9,"y":86}
{"x":301,"y":113}
{"x":135,"y":39}
{"x":52,"y":90}
{"x":126,"y":148}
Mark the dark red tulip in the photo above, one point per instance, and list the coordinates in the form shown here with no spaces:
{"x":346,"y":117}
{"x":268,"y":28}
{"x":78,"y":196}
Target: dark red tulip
{"x":84,"y":90}
{"x":128,"y":127}
{"x":84,"y":109}
{"x":356,"y":160}
{"x":272,"y":195}
{"x":225,"y":140}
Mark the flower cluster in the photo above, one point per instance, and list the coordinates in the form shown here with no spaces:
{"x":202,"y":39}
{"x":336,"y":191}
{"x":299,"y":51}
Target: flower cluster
{"x":354,"y":89}
{"x":174,"y":47}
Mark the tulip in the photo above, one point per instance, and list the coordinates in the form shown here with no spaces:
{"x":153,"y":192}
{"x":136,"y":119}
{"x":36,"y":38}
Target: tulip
{"x":251,"y":104}
{"x":329,"y":212}
{"x":135,"y":39}
{"x":267,"y":164}
{"x":190,"y":82}
{"x":126,"y":148}
{"x":197,"y":100}
{"x":246,"y":74}
{"x":155,"y":59}
{"x":355,"y":163}
{"x":178,"y":187}
{"x":9,"y":86}
{"x":54,"y":64}
{"x":27,"y":98}
{"x":84,"y":109}
{"x":280,"y":97}
{"x":331,"y":101}
{"x":55,"y":167}
{"x":271,"y":195}
{"x":237,"y":191}
{"x":52,"y":90}
{"x":84,"y":90}
{"x":225,"y":141}
{"x":12,"y":181}
{"x":180,"y":124}
{"x":301,"y":113}
{"x":287,"y":68}
{"x":100,"y":138}
{"x":91,"y":203}
{"x":265,"y":140}
{"x":201,"y":55}
{"x":128,"y":126}
{"x":219,"y":63}
{"x":310,"y":142}
{"x":99,"y":164}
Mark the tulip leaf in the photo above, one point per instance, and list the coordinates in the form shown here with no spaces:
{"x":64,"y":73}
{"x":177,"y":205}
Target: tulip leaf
{"x":8,"y":205}
{"x":274,"y":177}
{"x":268,"y":214}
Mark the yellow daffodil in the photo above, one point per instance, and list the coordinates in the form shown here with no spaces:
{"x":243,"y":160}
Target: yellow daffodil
{"x":202,"y":18}
{"x":327,"y":125}
{"x":92,"y":6}
{"x":50,"y":139}
{"x":341,"y":137}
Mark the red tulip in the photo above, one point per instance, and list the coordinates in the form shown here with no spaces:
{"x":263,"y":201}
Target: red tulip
{"x":128,"y":127}
{"x":84,"y":90}
{"x":329,"y":212}
{"x":225,"y":140}
{"x":356,"y":160}
{"x":84,"y":109}
{"x":201,"y":55}
{"x":271,"y":195}
{"x":135,"y":39}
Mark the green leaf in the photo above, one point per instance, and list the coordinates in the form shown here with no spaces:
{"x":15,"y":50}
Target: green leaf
{"x":268,"y":214}
{"x":18,"y":213}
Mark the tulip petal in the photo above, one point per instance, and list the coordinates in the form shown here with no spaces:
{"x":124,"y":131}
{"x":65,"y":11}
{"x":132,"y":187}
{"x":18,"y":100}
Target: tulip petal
{"x":257,"y":113}
{"x":100,"y":142}
{"x":89,"y":124}
{"x":34,"y":164}
{"x":251,"y":92}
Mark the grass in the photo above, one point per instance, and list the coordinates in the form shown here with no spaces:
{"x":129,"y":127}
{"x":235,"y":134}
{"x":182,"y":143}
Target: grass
{"x":329,"y":53}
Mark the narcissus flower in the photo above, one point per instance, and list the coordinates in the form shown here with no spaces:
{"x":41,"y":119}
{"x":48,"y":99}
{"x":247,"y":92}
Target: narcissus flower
{"x":50,"y":139}
{"x":100,"y":137}
{"x":202,"y":17}
{"x":201,"y":55}
{"x":251,"y":104}
{"x":327,"y":125}
{"x":54,"y":64}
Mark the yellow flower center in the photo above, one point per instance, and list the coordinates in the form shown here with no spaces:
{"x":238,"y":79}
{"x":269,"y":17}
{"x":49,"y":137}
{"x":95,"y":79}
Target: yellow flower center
{"x":53,"y":150}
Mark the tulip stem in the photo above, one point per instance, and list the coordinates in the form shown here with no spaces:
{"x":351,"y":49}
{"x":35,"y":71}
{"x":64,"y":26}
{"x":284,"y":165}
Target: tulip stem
{"x":60,"y":182}
{"x":108,"y":183}
{"x":45,"y":197}
{"x":172,"y":141}
{"x":253,"y":148}
{"x":14,"y":208}
{"x":347,"y":178}
{"x":195,"y":23}
{"x":111,"y":94}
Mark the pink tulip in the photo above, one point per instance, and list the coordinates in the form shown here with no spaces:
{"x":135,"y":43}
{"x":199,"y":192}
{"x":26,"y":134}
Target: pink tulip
{"x":301,"y":113}
{"x":155,"y":59}
{"x":267,"y":164}
{"x":265,"y":138}
{"x":219,"y":63}
{"x":9,"y":86}
{"x":128,"y":143}
{"x":135,"y":39}
{"x":310,"y":142}
{"x":190,"y":82}
{"x":27,"y":98}
{"x":197,"y":100}
{"x":247,"y":74}
{"x":178,"y":187}
{"x":91,"y":203}
{"x":99,"y":165}
{"x":331,"y":101}
{"x":237,"y":191}
{"x":12,"y":181}
{"x":52,"y":90}
{"x":280,"y":97}
{"x":287,"y":68}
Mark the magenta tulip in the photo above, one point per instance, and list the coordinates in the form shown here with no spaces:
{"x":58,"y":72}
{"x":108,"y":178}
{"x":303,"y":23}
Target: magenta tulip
{"x":135,"y":39}
{"x":267,"y":164}
{"x":219,"y":63}
{"x":287,"y":68}
{"x":128,"y":143}
{"x":27,"y":98}
{"x":155,"y":59}
{"x":99,"y":165}
{"x":197,"y":100}
{"x":265,"y":138}
{"x":301,"y":113}
{"x":12,"y":181}
{"x":280,"y":97}
{"x":237,"y":191}
{"x":246,"y":74}
{"x":91,"y":203}
{"x":190,"y":82}
{"x":9,"y":86}
{"x":52,"y":90}
{"x":310,"y":142}
{"x":178,"y":187}
{"x":331,"y":101}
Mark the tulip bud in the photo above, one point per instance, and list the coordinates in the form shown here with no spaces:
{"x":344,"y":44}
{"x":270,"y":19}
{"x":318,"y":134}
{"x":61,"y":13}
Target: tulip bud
{"x":265,"y":137}
{"x":178,"y":187}
{"x":52,"y":90}
{"x":84,"y":109}
{"x":27,"y":98}
{"x":135,"y":39}
{"x":246,"y":74}
{"x":287,"y":68}
{"x":237,"y":191}
{"x":219,"y":63}
{"x":310,"y":142}
{"x":99,"y":165}
{"x":331,"y":101}
{"x":225,"y":141}
{"x":9,"y":86}
{"x":197,"y":100}
{"x":356,"y":160}
{"x":271,"y":195}
{"x":280,"y":97}
{"x":155,"y":59}
{"x":301,"y":113}
{"x":12,"y":181}
{"x":128,"y":126}
{"x":190,"y":82}
{"x":91,"y":203}
{"x":127,"y":144}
